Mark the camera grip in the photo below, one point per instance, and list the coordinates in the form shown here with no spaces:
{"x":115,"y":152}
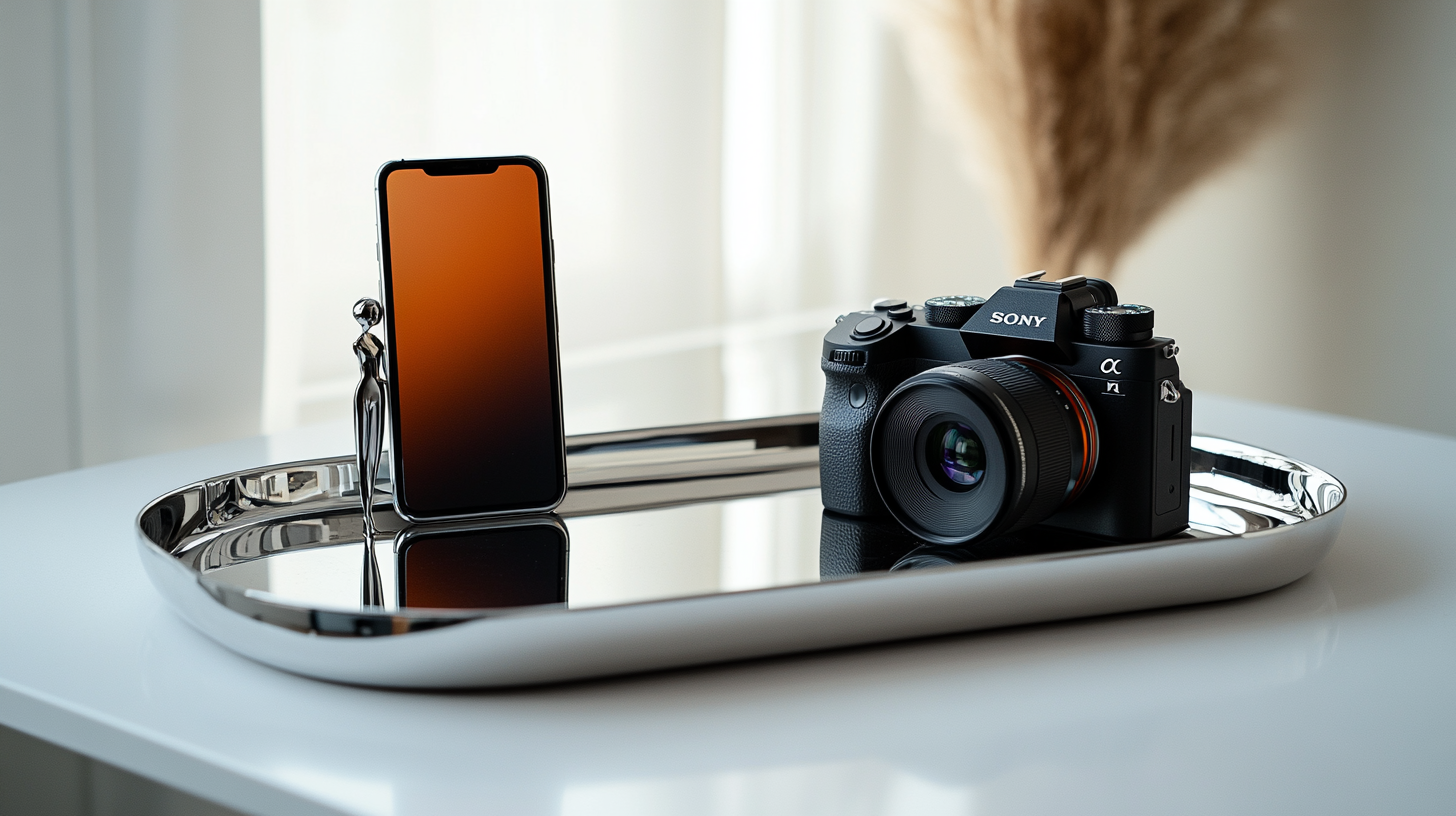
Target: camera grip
{"x":846,"y":483}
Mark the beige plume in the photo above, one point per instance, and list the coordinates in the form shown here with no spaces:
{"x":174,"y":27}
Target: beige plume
{"x":1091,"y":116}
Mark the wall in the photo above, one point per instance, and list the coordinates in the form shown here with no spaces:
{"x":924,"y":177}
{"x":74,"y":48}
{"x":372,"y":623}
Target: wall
{"x":1318,"y":271}
{"x":131,"y":222}
{"x":1314,"y":272}
{"x":1287,"y":277}
{"x":36,"y":384}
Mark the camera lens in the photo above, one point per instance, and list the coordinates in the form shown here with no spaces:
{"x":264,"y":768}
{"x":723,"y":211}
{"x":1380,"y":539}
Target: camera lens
{"x":957,"y":456}
{"x":982,"y":448}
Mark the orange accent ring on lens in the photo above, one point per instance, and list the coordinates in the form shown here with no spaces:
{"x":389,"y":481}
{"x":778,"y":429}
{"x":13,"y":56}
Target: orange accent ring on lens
{"x":1080,"y":409}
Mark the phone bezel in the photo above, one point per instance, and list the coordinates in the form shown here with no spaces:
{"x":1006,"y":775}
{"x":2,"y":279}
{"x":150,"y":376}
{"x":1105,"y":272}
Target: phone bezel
{"x":467,"y":166}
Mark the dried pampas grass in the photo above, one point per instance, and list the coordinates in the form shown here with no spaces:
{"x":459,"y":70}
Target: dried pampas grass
{"x":1093,"y":115}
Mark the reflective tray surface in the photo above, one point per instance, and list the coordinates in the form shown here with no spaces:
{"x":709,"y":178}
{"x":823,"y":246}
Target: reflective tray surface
{"x":676,"y":546}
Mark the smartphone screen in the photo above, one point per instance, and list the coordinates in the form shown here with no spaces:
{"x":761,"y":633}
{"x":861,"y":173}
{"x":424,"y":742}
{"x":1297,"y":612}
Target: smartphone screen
{"x":470,"y":319}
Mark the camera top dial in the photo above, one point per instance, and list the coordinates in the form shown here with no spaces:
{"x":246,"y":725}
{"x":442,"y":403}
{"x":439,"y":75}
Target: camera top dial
{"x":951,"y":310}
{"x":1125,"y":323}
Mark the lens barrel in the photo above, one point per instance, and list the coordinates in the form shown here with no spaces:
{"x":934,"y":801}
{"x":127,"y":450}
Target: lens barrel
{"x":981,"y":448}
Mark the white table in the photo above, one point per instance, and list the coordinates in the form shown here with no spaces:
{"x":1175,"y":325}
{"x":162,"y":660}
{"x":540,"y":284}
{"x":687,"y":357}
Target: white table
{"x":1334,"y":695}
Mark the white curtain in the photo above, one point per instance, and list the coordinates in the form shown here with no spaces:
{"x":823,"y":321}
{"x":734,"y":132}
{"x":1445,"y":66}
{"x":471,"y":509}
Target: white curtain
{"x":727,"y":176}
{"x":131,"y":229}
{"x":726,"y":179}
{"x":718,"y":178}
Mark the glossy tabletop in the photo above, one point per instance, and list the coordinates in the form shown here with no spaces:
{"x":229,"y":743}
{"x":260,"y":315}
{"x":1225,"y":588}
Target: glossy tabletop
{"x":1332,"y":695}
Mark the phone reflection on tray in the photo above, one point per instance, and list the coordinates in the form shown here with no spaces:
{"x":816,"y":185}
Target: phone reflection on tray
{"x":483,"y":567}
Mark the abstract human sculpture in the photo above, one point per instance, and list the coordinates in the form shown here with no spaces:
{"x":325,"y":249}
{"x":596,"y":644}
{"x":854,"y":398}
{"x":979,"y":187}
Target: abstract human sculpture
{"x":369,"y":434}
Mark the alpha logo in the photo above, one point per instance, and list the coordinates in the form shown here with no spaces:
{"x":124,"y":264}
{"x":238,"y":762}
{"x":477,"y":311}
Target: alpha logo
{"x":1014,"y":319}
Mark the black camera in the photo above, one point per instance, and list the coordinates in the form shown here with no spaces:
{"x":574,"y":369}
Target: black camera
{"x":969,"y":418}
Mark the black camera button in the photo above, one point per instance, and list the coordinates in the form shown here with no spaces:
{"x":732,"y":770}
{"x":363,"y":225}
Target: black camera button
{"x":886,"y":304}
{"x":901,"y":313}
{"x":871,"y":327}
{"x":858,"y":396}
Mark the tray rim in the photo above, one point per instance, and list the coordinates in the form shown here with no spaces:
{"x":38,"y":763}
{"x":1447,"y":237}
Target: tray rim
{"x":187,"y":590}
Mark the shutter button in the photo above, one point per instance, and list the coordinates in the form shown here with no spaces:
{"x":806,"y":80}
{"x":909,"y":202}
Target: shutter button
{"x":870,"y":327}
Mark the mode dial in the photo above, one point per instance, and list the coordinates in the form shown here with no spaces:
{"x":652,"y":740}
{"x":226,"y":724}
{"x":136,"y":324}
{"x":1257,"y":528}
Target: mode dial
{"x":1126,"y":323}
{"x":951,"y":310}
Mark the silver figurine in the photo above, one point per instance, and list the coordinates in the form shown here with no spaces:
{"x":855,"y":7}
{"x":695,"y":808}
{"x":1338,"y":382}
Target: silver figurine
{"x":369,"y":412}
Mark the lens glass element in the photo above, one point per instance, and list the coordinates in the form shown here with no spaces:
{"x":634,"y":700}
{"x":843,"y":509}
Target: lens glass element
{"x":957,"y":457}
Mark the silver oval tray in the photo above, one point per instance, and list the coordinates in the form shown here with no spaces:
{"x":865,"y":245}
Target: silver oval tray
{"x":268,"y":562}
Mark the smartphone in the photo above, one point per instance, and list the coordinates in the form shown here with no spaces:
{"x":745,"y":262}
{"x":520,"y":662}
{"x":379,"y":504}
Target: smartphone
{"x":474,"y":380}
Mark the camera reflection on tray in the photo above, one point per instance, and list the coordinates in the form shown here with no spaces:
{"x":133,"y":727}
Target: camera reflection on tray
{"x":850,"y":546}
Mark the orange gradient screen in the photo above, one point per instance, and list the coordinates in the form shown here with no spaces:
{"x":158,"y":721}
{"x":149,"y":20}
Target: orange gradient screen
{"x":476,"y":420}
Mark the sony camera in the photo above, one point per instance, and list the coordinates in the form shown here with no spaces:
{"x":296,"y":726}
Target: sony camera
{"x":968,"y":418}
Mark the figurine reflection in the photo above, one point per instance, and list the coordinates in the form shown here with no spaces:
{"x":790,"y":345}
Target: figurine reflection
{"x":369,"y":415}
